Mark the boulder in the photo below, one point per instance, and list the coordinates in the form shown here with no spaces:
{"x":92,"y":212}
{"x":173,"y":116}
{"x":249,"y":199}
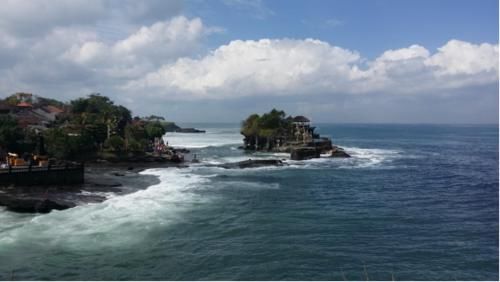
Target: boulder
{"x":31,"y":204}
{"x":339,"y":153}
{"x":304,"y":153}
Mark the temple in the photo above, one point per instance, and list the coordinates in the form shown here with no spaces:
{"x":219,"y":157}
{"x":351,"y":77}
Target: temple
{"x":275,"y":133}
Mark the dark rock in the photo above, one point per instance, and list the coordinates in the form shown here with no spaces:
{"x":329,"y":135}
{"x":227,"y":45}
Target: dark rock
{"x":31,"y":204}
{"x":322,"y":144}
{"x":304,"y":153}
{"x":339,"y":153}
{"x":190,"y":130}
{"x":253,"y":164}
{"x":105,"y":184}
{"x":170,"y":127}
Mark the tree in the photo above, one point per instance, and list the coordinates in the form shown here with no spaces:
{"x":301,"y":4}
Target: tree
{"x":62,"y":144}
{"x":115,"y":143}
{"x":154,"y":130}
{"x":10,"y":133}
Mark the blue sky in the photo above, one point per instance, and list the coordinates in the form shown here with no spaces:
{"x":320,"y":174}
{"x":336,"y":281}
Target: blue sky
{"x":220,"y":60}
{"x":371,"y":27}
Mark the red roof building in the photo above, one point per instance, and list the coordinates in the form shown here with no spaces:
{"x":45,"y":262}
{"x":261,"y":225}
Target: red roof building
{"x":24,"y":105}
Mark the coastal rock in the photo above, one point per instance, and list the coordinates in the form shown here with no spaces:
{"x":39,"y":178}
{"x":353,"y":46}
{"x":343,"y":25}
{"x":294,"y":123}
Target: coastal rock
{"x":339,"y":153}
{"x":304,"y":153}
{"x":31,"y":204}
{"x":189,"y":130}
{"x":181,"y":150}
{"x":253,"y":164}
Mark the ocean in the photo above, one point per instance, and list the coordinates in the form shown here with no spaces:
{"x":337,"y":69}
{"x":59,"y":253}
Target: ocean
{"x":415,"y":202}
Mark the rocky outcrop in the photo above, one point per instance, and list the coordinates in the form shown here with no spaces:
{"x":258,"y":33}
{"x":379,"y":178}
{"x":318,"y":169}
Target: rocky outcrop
{"x":99,"y":179}
{"x":32,"y":204}
{"x":304,"y":153}
{"x":190,"y":130}
{"x":253,"y":164}
{"x":338,"y":152}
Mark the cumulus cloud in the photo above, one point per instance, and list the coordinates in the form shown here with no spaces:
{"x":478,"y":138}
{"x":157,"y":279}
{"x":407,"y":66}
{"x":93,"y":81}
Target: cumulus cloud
{"x":459,"y":57}
{"x":310,"y":67}
{"x":142,"y":50}
{"x":69,"y":61}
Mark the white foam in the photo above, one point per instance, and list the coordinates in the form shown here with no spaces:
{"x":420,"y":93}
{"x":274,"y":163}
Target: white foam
{"x":365,"y":158}
{"x":120,"y":220}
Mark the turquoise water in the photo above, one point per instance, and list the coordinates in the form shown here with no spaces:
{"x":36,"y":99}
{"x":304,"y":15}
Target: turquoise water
{"x":416,"y":202}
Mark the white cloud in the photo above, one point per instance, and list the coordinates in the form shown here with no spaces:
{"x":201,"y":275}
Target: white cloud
{"x":77,"y":60}
{"x":309,"y":67}
{"x":140,"y":52}
{"x":414,"y":51}
{"x":244,"y":68}
{"x":459,"y":57}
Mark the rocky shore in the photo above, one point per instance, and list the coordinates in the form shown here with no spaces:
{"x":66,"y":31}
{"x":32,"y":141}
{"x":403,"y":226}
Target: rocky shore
{"x":100,"y":178}
{"x":119,"y":177}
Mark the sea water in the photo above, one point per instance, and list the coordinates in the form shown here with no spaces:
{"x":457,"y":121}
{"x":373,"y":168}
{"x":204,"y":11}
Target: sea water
{"x":415,"y":202}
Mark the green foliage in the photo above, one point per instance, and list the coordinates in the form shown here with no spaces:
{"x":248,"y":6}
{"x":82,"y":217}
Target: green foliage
{"x":10,"y":132}
{"x":154,"y":130}
{"x":169,"y":126}
{"x":136,"y":145}
{"x":270,"y":124}
{"x":99,"y":111}
{"x":91,"y":124}
{"x":12,"y":100}
{"x":115,"y":143}
{"x":250,"y":126}
{"x":135,"y":136}
{"x":62,"y":144}
{"x":154,"y":118}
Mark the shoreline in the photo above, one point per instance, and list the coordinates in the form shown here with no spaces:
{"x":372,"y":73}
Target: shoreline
{"x":120,"y":178}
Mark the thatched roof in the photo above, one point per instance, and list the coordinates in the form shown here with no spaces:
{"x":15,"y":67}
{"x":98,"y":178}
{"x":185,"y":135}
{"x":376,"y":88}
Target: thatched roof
{"x":301,"y":119}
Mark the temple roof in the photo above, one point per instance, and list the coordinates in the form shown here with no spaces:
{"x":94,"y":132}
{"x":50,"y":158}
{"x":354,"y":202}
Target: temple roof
{"x":24,"y":105}
{"x":301,"y":119}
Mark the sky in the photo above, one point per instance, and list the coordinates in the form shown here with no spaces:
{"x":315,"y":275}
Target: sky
{"x":362,"y":61}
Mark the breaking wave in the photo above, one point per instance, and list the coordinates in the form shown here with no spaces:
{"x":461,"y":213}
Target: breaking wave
{"x":120,"y":220}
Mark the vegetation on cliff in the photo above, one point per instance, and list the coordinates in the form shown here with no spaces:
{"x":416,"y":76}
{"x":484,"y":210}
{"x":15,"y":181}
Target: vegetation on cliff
{"x":270,"y":124}
{"x":275,"y":131}
{"x":85,"y":128}
{"x":264,"y":132}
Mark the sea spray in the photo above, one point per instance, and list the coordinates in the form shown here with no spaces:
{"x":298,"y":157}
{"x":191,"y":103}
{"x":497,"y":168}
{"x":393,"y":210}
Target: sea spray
{"x":118,"y":221}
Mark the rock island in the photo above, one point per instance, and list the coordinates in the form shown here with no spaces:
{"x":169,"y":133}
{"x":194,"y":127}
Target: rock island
{"x":277,"y":132}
